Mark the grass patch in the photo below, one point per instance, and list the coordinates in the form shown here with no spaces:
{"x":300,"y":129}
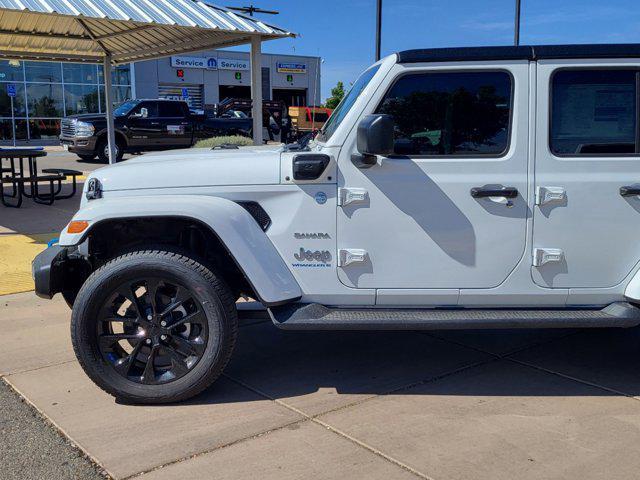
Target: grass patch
{"x":230,"y":139}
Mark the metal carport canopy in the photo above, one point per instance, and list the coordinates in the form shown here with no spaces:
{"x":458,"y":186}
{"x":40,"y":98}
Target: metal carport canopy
{"x":122,"y":31}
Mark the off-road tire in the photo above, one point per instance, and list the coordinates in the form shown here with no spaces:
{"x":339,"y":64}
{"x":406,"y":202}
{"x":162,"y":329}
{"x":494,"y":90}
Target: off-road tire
{"x":210,"y":290}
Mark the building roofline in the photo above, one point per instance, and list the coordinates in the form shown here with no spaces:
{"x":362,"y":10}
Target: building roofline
{"x":528,"y":52}
{"x":246,"y":53}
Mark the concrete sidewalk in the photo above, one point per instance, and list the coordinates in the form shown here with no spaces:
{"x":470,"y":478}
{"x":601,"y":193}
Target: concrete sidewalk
{"x":454,"y":405}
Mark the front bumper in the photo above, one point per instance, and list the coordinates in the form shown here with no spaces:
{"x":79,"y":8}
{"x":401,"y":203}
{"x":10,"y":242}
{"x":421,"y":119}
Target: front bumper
{"x":48,"y":271}
{"x":82,"y":146}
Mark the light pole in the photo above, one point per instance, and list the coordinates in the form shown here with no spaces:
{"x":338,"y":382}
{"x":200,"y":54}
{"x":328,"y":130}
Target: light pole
{"x":516,"y":35}
{"x":320,"y":61}
{"x":378,"y":28}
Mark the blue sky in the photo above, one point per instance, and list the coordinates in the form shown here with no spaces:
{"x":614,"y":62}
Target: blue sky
{"x":342,"y":32}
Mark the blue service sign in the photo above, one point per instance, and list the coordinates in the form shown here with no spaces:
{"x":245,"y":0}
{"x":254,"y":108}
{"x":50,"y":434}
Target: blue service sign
{"x":282,"y":67}
{"x":11,"y":89}
{"x":185,"y":93}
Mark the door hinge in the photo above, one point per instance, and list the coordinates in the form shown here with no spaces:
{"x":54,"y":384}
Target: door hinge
{"x":347,"y":256}
{"x":351,"y":195}
{"x":546,"y":195}
{"x":542,"y":256}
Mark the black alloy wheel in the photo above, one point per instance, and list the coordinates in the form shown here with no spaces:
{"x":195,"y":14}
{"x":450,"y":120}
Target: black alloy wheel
{"x":152,"y":331}
{"x":154,"y":326}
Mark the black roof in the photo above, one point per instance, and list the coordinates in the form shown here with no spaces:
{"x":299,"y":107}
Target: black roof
{"x":530,"y":52}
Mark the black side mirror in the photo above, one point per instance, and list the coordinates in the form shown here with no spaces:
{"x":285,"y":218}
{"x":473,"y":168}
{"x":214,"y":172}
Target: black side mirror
{"x":375,"y":135}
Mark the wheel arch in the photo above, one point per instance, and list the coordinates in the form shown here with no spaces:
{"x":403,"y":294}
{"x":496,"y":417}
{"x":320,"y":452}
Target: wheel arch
{"x":229,"y":226}
{"x":119,"y":135}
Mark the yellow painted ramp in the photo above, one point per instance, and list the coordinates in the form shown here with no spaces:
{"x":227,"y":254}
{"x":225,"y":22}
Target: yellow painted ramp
{"x":16,"y":253}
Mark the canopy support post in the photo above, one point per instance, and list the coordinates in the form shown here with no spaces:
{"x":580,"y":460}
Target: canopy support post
{"x":256,"y":88}
{"x":111,"y":135}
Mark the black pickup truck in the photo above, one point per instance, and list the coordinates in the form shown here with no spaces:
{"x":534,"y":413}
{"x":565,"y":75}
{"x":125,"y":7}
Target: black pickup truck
{"x":143,"y":125}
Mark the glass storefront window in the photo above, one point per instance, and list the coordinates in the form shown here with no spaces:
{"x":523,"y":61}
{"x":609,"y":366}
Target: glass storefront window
{"x":79,"y":73}
{"x":45,"y":100}
{"x":19,"y":109}
{"x":81,"y":99}
{"x":44,"y":72}
{"x":120,"y":75}
{"x":44,"y":128}
{"x":6,"y":131}
{"x":47,"y":91}
{"x":21,"y":129}
{"x":11,"y":70}
{"x":120,"y":94}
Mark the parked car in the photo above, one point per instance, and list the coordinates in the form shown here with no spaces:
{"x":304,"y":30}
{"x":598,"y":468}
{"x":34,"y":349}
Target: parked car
{"x":451,"y":188}
{"x":145,"y":125}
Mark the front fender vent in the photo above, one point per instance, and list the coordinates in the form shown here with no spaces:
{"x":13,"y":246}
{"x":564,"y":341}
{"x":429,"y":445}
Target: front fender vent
{"x":258,"y":214}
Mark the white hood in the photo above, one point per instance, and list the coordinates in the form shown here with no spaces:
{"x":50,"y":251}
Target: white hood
{"x":193,"y":167}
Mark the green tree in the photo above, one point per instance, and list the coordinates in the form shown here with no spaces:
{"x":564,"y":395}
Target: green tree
{"x":337,"y":93}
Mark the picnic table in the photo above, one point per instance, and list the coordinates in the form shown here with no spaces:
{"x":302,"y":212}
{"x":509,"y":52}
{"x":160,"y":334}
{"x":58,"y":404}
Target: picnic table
{"x":18,"y":178}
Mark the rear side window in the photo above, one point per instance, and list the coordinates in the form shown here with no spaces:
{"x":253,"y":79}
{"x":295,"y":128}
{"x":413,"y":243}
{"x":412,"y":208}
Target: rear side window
{"x":171,"y":109}
{"x":450,"y":113}
{"x":594,"y":112}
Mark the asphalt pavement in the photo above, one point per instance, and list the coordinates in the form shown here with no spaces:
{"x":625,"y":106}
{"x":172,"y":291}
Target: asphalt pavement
{"x":31,"y":448}
{"x":57,"y":158}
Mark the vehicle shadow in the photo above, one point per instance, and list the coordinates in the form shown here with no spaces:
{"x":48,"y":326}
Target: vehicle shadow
{"x":33,"y":218}
{"x":419,"y":197}
{"x":300,"y":366}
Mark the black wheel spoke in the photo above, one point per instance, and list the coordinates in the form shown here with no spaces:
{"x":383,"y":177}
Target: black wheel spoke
{"x":178,"y":367}
{"x":116,"y":318}
{"x":124,"y":364}
{"x":195,"y":317}
{"x":186,"y":347}
{"x":152,"y":286}
{"x":149,"y":374}
{"x":181,"y":296}
{"x":128,"y":292}
{"x":109,"y":340}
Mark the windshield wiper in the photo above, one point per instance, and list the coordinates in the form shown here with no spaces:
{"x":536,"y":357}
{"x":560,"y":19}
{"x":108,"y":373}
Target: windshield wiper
{"x":300,"y":144}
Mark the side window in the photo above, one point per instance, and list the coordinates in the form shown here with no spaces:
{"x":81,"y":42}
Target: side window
{"x":150,"y":108}
{"x":593,"y":112}
{"x":450,"y":113}
{"x":171,"y":110}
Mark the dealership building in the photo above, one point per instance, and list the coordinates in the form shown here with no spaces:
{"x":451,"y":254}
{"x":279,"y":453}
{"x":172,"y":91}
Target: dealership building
{"x":34,"y":96}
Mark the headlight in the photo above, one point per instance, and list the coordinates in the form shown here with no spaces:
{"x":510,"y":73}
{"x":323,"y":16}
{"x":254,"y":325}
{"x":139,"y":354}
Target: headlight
{"x":84,"y":129}
{"x":93,"y":189}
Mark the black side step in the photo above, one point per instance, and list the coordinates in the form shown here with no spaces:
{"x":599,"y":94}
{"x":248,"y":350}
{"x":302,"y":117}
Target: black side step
{"x":313,"y":316}
{"x":251,"y":311}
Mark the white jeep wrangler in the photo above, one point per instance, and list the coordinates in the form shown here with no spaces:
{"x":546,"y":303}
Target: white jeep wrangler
{"x":474,"y":188}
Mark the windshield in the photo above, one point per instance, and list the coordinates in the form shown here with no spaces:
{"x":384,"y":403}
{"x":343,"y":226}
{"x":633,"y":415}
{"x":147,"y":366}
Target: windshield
{"x":124,"y":108}
{"x":347,"y":102}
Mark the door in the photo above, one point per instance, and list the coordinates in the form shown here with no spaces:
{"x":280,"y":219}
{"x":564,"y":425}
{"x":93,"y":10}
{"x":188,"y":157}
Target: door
{"x":143,"y":126}
{"x":411,"y":221}
{"x":585,"y":232}
{"x":175,"y":124}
